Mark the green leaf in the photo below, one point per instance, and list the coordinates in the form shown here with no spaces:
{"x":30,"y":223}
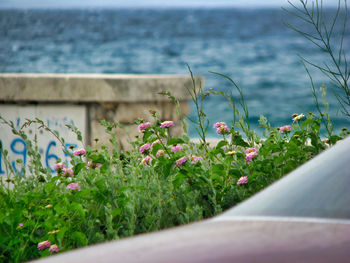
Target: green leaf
{"x":237,"y":140}
{"x":174,"y":141}
{"x":80,"y":238}
{"x":333,"y":139}
{"x":221,"y":144}
{"x":116,"y":211}
{"x":178,"y":180}
{"x":60,"y":235}
{"x":78,"y":210}
{"x":78,"y":167}
{"x":218,"y":169}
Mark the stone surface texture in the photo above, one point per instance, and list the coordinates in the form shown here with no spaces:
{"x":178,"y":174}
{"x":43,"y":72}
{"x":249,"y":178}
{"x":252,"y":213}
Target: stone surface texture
{"x":110,"y":97}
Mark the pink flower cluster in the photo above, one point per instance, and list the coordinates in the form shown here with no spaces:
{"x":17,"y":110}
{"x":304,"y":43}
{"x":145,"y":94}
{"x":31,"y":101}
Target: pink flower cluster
{"x":156,"y":142}
{"x":160,"y":153}
{"x":59,"y":167}
{"x":54,"y":248}
{"x":145,"y":148}
{"x":285,"y":129}
{"x":44,"y":244}
{"x":143,"y":126}
{"x":79,"y":152}
{"x":195,"y":159}
{"x":180,"y":161}
{"x":176,"y":148}
{"x":73,"y":186}
{"x":146,"y":161}
{"x":221,"y":128}
{"x":167,"y":124}
{"x":92,"y":165}
{"x":250,"y":153}
{"x":242,"y":180}
{"x":67,"y":172}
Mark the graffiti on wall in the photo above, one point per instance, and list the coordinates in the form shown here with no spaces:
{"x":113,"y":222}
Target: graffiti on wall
{"x":56,"y":117}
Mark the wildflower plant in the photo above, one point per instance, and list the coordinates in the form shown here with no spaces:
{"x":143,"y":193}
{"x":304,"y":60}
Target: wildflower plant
{"x":105,"y":193}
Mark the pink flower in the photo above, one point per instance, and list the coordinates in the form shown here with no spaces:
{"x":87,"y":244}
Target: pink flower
{"x":181,"y":161}
{"x":145,"y":148}
{"x":91,"y":165}
{"x":146,"y":160}
{"x":44,"y":244}
{"x":143,"y":126}
{"x":221,"y":128}
{"x":167,"y":124}
{"x":79,"y":152}
{"x":54,"y":248}
{"x":195,"y":159}
{"x":59,"y":166}
{"x":160,"y":153}
{"x":242,"y":180}
{"x":250,"y":153}
{"x":156,"y":142}
{"x":20,"y":224}
{"x":219,"y":124}
{"x":176,"y":148}
{"x":73,"y":186}
{"x":285,"y":129}
{"x":67,"y":172}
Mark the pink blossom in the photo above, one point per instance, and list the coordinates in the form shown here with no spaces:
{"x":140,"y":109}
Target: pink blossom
{"x":67,"y":172}
{"x":91,"y":165}
{"x":59,"y":166}
{"x":143,"y":126}
{"x":167,"y":124}
{"x":195,"y":159}
{"x":79,"y":152}
{"x":160,"y":153}
{"x":242,"y":180}
{"x":54,"y":248}
{"x":176,"y":148}
{"x":219,"y":124}
{"x":155,"y":142}
{"x":73,"y":186}
{"x":250,"y":153}
{"x":44,"y":244}
{"x":285,"y":129}
{"x":221,"y":128}
{"x":146,"y":160}
{"x":181,"y":161}
{"x":145,"y":148}
{"x":20,"y":224}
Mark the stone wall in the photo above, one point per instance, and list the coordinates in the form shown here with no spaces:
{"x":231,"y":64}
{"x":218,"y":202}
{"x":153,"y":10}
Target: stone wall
{"x":122,"y":98}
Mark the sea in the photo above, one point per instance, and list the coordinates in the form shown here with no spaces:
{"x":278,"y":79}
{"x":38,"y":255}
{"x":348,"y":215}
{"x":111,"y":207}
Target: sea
{"x":254,"y":47}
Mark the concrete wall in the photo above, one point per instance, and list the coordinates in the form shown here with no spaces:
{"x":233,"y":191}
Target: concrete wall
{"x":122,"y":98}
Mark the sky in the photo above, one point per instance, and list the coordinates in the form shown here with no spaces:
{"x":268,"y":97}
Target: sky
{"x":147,"y":3}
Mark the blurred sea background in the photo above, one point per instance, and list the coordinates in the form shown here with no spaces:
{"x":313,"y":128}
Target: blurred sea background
{"x":252,"y":46}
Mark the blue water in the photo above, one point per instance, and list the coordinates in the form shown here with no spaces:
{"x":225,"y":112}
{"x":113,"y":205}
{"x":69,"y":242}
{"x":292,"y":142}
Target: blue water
{"x":253,"y":47}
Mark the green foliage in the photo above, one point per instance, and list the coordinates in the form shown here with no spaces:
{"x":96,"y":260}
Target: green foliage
{"x":120,"y":194}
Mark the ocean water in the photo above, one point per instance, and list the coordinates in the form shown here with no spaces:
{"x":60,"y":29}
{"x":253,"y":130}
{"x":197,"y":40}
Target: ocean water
{"x":253,"y":47}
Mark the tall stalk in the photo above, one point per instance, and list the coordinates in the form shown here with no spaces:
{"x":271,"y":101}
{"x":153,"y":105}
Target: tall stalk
{"x":322,"y":35}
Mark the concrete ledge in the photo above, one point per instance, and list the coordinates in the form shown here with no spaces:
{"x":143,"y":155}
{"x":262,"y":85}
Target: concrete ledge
{"x":92,"y":87}
{"x":123,"y":98}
